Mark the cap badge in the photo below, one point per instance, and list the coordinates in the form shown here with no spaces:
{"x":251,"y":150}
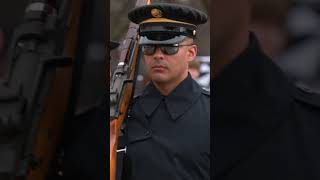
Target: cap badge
{"x":156,"y":13}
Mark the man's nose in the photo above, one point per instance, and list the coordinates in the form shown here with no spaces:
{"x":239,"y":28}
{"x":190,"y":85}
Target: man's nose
{"x":158,"y":53}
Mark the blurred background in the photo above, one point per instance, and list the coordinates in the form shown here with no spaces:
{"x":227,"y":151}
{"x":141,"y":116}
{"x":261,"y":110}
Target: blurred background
{"x":119,"y":25}
{"x":288,"y":31}
{"x":91,"y":64}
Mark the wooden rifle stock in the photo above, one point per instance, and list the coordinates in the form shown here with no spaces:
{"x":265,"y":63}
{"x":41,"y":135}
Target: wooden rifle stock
{"x":53,"y":116}
{"x":122,"y":87}
{"x":116,"y":123}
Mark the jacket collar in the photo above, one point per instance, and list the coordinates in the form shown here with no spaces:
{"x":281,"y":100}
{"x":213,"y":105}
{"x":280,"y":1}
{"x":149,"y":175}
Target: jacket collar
{"x":178,"y":101}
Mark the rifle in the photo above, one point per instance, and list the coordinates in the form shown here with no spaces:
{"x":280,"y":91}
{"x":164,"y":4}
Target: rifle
{"x":122,"y":87}
{"x":34,"y":93}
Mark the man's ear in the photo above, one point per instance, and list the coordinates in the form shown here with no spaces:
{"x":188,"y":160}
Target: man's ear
{"x":192,"y":52}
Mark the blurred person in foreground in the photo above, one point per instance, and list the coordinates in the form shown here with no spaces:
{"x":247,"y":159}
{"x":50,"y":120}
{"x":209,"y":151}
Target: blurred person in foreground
{"x":85,"y":155}
{"x":264,"y":126}
{"x":270,"y":28}
{"x":2,"y":51}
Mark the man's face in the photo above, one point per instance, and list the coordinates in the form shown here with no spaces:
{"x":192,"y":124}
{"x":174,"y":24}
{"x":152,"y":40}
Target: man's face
{"x":162,"y":68}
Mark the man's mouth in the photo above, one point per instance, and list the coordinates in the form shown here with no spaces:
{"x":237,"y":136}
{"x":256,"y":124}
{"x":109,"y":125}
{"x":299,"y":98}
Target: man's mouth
{"x":160,"y":67}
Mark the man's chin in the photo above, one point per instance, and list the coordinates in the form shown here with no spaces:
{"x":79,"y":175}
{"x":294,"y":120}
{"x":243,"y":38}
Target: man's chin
{"x":159,"y":78}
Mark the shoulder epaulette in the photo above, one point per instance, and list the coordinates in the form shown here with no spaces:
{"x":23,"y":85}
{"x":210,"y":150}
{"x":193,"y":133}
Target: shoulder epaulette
{"x":305,"y":94}
{"x":136,"y":96}
{"x":134,"y":99}
{"x":205,"y":91}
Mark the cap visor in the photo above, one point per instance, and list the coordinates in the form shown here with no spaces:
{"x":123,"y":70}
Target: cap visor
{"x":175,"y":40}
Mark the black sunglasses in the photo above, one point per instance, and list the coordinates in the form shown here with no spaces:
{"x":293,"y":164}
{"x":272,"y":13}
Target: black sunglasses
{"x":167,"y":49}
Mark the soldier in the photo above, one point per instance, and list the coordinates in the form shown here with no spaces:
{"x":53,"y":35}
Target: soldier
{"x":265,"y":127}
{"x":168,"y":128}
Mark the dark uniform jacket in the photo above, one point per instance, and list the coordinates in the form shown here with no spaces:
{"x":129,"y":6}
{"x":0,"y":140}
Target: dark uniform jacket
{"x":169,"y":136}
{"x":265,"y":127}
